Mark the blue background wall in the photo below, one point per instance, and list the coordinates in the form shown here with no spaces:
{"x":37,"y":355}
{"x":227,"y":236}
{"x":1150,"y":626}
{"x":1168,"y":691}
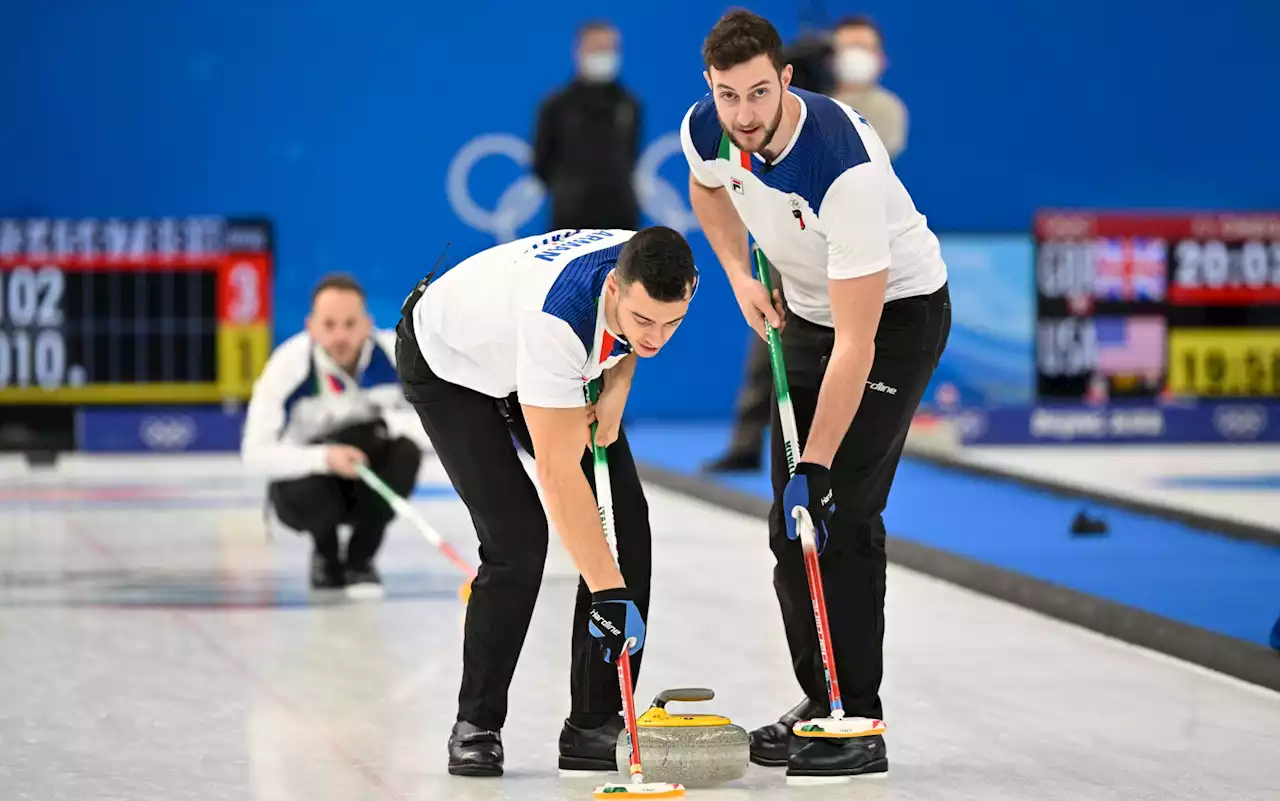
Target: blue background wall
{"x":340,"y":122}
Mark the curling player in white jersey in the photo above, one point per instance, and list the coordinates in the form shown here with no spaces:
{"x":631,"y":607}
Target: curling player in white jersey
{"x":325,"y":403}
{"x":503,"y":345}
{"x":866,"y":287}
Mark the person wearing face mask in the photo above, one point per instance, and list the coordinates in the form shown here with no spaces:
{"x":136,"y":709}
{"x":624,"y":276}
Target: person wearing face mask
{"x":858,"y":63}
{"x":325,"y":403}
{"x":587,"y":140}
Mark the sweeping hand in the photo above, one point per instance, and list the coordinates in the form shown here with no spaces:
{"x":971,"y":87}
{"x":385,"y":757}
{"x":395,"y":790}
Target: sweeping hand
{"x":608,"y":415}
{"x":342,"y":459}
{"x":753,"y":299}
{"x":614,"y":619}
{"x":810,"y":488}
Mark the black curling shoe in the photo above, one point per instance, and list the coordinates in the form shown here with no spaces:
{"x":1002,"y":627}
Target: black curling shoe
{"x":590,"y":749}
{"x":474,"y":751}
{"x":771,"y":745}
{"x":829,"y":757}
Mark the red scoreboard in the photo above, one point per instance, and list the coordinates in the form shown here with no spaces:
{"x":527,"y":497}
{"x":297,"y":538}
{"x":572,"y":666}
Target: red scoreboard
{"x":111,"y":311}
{"x":1157,"y":305}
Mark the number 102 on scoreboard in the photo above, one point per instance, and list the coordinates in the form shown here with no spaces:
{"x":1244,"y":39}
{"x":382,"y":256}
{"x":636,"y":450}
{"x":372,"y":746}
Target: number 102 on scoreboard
{"x":33,"y":348}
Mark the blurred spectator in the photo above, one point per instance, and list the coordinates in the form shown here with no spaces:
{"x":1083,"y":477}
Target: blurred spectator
{"x":587,"y":140}
{"x":859,"y":62}
{"x":319,"y":410}
{"x":810,"y":58}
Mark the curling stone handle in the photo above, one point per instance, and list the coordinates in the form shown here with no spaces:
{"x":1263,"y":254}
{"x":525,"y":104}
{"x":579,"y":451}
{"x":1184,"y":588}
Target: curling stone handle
{"x":683,"y":694}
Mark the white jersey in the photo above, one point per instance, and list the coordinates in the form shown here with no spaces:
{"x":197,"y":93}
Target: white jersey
{"x":302,"y":396}
{"x":525,"y":317}
{"x":829,"y":207}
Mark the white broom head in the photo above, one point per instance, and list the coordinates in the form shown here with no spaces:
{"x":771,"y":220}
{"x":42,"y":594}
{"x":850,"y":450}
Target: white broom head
{"x":839,"y":727}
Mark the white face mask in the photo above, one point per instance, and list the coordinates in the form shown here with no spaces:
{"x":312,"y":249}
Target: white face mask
{"x":857,"y":65}
{"x":600,"y":66}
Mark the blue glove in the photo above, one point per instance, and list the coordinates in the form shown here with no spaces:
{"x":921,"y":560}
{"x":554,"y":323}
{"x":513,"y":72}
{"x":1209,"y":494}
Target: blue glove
{"x":613,"y":619}
{"x":810,"y":487}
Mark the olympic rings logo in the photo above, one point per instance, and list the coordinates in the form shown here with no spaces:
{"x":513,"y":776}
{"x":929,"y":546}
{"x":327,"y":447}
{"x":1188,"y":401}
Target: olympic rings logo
{"x":521,"y":200}
{"x":167,"y":433}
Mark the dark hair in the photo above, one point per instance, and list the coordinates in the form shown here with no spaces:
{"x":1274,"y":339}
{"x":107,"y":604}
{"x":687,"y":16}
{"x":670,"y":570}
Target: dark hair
{"x":340,"y":281}
{"x":661,"y":261}
{"x":860,"y":21}
{"x":740,"y":36}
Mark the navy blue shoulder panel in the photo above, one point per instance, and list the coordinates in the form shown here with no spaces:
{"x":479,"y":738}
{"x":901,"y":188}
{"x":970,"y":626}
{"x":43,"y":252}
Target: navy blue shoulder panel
{"x":828,"y":145}
{"x":575,"y":292}
{"x":306,"y":389}
{"x":380,"y":370}
{"x":704,"y":128}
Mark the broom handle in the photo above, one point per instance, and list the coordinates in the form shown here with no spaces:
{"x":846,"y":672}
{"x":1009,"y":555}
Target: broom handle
{"x":604,"y":502}
{"x":791,"y":448}
{"x":405,"y":509}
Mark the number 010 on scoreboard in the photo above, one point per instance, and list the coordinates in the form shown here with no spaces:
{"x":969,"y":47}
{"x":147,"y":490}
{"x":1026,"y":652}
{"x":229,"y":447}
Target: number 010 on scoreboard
{"x":133,"y":311}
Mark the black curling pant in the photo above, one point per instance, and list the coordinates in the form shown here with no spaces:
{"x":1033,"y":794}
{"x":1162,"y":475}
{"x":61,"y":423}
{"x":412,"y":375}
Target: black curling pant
{"x":910,"y":340}
{"x":318,"y":504}
{"x":472,"y":435}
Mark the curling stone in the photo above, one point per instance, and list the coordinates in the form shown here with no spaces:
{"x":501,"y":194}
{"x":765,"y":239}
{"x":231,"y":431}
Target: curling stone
{"x":693,"y":750}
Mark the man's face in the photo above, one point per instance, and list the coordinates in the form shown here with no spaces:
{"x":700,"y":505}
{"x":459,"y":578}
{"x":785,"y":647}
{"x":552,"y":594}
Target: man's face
{"x":858,"y":36}
{"x":748,"y":100}
{"x":598,"y":57}
{"x":598,"y":40}
{"x":646,"y":323}
{"x":859,"y":59}
{"x":340,"y":324}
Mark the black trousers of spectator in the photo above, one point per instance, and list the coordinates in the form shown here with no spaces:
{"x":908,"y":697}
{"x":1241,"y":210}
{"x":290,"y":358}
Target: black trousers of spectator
{"x":472,"y":435}
{"x":318,"y":504}
{"x":911,"y":338}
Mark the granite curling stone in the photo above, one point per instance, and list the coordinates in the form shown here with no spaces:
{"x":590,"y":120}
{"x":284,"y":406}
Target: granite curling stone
{"x":693,"y":750}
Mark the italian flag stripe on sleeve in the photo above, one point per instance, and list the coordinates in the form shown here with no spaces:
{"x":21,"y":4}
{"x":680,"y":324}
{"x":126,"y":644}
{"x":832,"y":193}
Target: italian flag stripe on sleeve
{"x":730,"y":152}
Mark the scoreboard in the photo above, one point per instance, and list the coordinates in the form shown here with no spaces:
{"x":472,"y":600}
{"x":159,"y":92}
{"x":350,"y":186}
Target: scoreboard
{"x":1156,"y":307}
{"x":133,"y":311}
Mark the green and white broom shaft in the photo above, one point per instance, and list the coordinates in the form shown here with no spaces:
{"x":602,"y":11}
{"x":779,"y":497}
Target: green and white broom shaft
{"x":405,"y":509}
{"x":791,"y":448}
{"x":604,"y":503}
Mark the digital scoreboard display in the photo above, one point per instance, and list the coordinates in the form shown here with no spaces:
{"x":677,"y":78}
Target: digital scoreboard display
{"x":1148,"y":306}
{"x":136,"y":311}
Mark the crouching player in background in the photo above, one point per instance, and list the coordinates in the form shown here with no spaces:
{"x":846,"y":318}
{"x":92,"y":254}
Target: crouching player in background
{"x":319,"y":410}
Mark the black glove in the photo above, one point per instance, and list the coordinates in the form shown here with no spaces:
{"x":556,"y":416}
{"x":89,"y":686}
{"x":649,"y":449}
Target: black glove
{"x":613,"y":619}
{"x":810,"y":487}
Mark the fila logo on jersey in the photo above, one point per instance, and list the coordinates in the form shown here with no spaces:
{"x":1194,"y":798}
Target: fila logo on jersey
{"x":737,"y":186}
{"x":551,"y":253}
{"x":881,"y":386}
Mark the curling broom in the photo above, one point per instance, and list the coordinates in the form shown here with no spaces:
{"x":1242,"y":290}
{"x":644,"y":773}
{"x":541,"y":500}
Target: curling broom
{"x":837,"y":725}
{"x":405,"y":509}
{"x":637,"y":787}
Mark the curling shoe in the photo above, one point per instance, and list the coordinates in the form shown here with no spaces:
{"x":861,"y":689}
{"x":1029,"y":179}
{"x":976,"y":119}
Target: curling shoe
{"x":772,"y":745}
{"x":834,"y":758}
{"x":474,"y":751}
{"x":590,"y":749}
{"x":326,"y":573}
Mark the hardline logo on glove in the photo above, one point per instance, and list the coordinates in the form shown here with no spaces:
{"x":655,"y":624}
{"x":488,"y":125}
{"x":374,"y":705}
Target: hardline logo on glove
{"x":605,"y":624}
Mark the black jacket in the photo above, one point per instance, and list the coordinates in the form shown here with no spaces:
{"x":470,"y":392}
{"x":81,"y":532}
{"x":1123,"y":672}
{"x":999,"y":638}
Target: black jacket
{"x":585,"y":149}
